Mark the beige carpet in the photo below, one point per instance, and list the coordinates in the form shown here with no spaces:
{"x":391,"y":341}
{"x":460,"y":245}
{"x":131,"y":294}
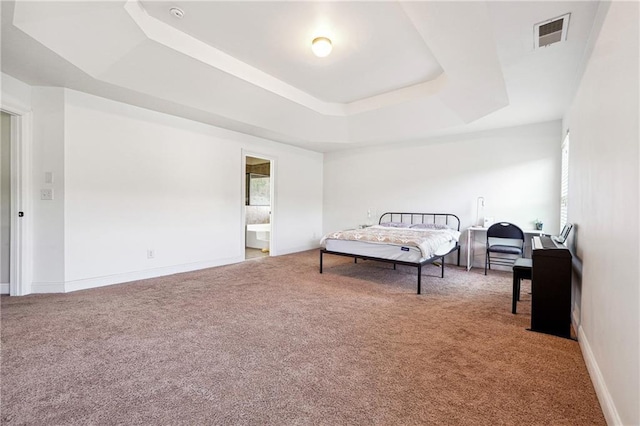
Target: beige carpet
{"x":272,"y":342}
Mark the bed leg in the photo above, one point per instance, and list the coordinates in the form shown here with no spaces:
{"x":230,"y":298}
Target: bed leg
{"x":458,"y":255}
{"x":419,"y":277}
{"x":355,"y":260}
{"x":442,"y":268}
{"x":394,"y":266}
{"x":320,"y":261}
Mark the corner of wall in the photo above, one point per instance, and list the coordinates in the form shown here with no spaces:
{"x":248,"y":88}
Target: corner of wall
{"x":15,"y":93}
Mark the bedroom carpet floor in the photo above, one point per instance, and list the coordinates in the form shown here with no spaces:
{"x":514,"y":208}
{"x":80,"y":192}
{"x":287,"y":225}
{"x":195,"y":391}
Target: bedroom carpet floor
{"x":273,"y":342}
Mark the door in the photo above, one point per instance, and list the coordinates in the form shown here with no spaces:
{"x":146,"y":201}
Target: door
{"x":15,"y":167}
{"x":258,"y":196}
{"x":5,"y":202}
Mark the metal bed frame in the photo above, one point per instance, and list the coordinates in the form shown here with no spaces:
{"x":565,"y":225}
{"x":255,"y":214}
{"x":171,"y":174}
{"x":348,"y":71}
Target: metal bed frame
{"x":448,"y":219}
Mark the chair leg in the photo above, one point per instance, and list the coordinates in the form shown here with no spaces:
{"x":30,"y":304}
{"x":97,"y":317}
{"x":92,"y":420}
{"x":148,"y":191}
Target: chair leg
{"x":516,"y":289}
{"x":486,"y":259}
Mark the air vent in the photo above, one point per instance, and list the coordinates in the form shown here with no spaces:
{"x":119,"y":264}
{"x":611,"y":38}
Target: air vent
{"x":550,"y":32}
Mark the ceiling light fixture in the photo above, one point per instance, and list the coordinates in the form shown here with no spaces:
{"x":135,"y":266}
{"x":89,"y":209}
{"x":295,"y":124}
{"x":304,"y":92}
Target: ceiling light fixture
{"x":176,"y":12}
{"x":321,"y":46}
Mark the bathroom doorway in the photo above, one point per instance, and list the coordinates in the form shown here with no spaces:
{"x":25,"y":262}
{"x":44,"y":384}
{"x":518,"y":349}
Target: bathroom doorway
{"x":258,"y":204}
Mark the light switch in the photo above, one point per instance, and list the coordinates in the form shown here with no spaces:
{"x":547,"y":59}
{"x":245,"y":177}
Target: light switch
{"x":46,"y":194}
{"x":48,"y":177}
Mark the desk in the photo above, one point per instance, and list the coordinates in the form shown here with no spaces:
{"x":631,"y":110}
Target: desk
{"x":470,"y":240}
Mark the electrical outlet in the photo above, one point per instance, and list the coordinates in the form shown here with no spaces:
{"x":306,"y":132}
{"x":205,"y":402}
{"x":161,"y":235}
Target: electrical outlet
{"x":151,"y":253}
{"x":46,"y":194}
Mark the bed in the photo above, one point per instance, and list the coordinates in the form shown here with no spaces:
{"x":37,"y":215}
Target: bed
{"x":411,"y":239}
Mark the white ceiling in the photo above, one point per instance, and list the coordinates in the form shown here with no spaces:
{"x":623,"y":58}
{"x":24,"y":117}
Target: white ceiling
{"x":398,"y":71}
{"x":274,"y":37}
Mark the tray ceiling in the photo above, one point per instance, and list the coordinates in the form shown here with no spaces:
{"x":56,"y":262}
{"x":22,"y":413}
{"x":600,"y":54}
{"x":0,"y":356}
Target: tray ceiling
{"x":398,"y":70}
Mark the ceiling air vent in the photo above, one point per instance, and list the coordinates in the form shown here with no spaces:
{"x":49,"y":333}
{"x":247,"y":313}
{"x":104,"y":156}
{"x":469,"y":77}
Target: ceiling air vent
{"x":552,"y":31}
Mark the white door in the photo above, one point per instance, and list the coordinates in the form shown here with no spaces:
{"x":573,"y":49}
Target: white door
{"x":5,"y":202}
{"x":15,"y":167}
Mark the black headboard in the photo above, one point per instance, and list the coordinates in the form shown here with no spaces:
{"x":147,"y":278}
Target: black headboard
{"x":450,"y":220}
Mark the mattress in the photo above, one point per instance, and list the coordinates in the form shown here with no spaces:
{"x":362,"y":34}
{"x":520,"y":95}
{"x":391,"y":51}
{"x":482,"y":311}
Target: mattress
{"x":384,"y":251}
{"x":407,"y":245}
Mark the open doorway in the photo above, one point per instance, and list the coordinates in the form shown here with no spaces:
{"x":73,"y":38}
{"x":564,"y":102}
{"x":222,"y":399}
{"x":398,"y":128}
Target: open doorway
{"x":258,"y":203}
{"x":15,"y":255}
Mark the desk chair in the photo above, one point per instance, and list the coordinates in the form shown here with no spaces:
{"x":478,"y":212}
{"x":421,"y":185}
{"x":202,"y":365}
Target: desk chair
{"x":504,"y":239}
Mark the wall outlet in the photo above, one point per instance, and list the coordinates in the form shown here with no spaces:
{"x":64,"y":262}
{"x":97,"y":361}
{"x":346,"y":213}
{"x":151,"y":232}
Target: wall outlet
{"x":46,"y":194}
{"x":151,"y":253}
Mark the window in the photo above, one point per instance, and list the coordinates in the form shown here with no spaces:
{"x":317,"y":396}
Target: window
{"x":564,"y":181}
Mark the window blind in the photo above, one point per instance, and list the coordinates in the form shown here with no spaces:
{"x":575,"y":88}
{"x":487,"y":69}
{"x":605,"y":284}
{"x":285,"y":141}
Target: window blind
{"x":564,"y":182}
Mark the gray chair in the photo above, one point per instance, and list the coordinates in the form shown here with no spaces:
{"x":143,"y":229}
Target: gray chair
{"x":505,"y":244}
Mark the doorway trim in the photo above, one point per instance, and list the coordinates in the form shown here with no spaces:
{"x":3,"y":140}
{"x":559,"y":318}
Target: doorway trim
{"x":272,"y":196}
{"x":20,"y":247}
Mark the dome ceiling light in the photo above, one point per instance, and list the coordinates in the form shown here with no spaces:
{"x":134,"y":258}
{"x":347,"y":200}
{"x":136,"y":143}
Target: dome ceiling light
{"x":321,"y":46}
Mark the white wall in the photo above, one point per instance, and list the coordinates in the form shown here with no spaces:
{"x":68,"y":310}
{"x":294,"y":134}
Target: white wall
{"x":127,"y":180}
{"x":603,"y":204}
{"x":14,"y":92}
{"x":516,"y":170}
{"x":47,"y":217}
{"x":137,"y":180}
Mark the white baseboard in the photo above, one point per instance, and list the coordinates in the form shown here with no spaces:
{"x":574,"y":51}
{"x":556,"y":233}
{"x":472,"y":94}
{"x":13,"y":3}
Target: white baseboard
{"x":47,"y":287}
{"x":298,"y":249}
{"x":575,"y":316}
{"x":606,"y":402}
{"x":4,"y":288}
{"x":88,"y":283}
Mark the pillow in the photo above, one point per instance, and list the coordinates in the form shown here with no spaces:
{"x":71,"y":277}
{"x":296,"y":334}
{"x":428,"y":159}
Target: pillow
{"x":396,"y":225}
{"x":430,"y":226}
